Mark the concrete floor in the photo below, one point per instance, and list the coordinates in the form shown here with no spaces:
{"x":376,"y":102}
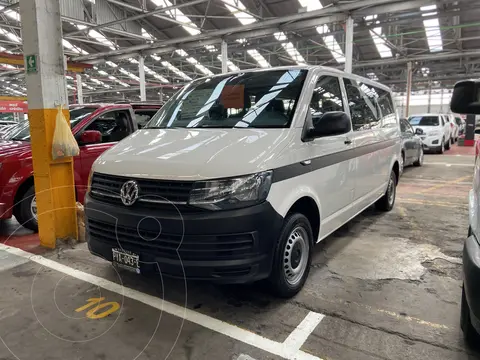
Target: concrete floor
{"x":389,"y":286}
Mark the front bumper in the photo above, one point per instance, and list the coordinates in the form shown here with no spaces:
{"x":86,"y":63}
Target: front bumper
{"x":431,"y":142}
{"x":471,"y":271}
{"x":234,"y":246}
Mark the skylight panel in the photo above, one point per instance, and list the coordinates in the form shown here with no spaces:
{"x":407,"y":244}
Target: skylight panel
{"x":175,"y":70}
{"x":290,"y":49}
{"x":101,"y":39}
{"x":372,"y":76}
{"x":259,"y":58}
{"x":236,"y":7}
{"x":101,"y":72}
{"x":129,"y":74}
{"x":146,"y":34}
{"x":432,"y":29}
{"x":230,"y":64}
{"x":181,"y":52}
{"x":10,"y":35}
{"x":178,"y":15}
{"x":377,"y":37}
{"x":211,"y":48}
{"x":329,"y":40}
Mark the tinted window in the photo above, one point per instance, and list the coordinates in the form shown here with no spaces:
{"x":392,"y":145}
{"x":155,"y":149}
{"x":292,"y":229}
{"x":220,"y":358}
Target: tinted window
{"x":362,"y":100}
{"x":112,"y":125}
{"x":22,"y":130}
{"x":142,"y":117}
{"x":405,"y":127}
{"x":260,"y":99}
{"x":326,"y":97}
{"x":424,"y":121}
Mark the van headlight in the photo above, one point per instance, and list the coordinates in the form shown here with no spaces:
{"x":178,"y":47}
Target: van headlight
{"x":89,"y":182}
{"x":231,"y":193}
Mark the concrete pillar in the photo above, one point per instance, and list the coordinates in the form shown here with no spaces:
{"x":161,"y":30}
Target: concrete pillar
{"x":349,"y":45}
{"x":141,"y":72}
{"x":441,"y":100}
{"x":161,"y":96}
{"x":409,"y":88}
{"x":79,"y":89}
{"x":47,"y":89}
{"x":429,"y":100}
{"x":224,"y":57}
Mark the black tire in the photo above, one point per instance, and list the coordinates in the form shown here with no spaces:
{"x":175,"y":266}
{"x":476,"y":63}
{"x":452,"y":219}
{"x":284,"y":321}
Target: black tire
{"x":469,"y":333}
{"x":441,"y":148}
{"x":279,"y":283}
{"x":23,"y":211}
{"x":419,"y":161}
{"x":447,"y":145}
{"x":386,"y":202}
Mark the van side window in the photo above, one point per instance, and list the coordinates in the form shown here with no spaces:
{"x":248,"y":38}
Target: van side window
{"x":385,"y":103}
{"x":362,"y":100}
{"x":327,"y":96}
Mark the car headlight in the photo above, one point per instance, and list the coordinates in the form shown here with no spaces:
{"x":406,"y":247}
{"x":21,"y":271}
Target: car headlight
{"x":231,"y":193}
{"x":434,"y":133}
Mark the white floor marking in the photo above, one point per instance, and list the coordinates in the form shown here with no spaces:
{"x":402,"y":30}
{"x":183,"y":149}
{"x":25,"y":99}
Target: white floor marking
{"x":297,"y":338}
{"x":206,"y":321}
{"x":244,"y":357}
{"x":447,"y":164}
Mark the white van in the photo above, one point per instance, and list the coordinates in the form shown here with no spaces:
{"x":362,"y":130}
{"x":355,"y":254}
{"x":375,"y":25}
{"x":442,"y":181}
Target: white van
{"x":239,"y":175}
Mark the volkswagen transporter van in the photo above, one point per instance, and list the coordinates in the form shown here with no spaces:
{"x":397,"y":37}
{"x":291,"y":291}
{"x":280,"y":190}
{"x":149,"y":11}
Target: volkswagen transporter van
{"x":239,"y":175}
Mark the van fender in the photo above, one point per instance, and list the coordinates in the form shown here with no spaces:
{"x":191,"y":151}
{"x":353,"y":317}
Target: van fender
{"x":284,"y":194}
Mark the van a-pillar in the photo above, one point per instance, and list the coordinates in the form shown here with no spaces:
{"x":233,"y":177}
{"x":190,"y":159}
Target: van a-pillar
{"x":46,"y":89}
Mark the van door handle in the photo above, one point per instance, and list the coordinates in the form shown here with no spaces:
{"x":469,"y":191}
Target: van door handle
{"x":348,"y":141}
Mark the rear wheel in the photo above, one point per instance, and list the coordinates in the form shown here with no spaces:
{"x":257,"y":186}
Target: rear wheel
{"x":26,"y":210}
{"x":386,"y":202}
{"x":419,"y":161}
{"x":292,"y":257}
{"x":441,"y":148}
{"x":469,"y":333}
{"x":447,"y":145}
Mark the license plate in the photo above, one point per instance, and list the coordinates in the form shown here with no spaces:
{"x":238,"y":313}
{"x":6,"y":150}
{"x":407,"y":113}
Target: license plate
{"x":126,"y":260}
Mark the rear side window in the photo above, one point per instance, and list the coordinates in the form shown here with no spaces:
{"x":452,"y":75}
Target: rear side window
{"x":424,"y":121}
{"x":143,"y":116}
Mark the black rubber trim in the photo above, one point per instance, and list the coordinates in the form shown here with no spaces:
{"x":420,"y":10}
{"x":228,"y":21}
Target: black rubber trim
{"x":471,"y":272}
{"x":297,"y":169}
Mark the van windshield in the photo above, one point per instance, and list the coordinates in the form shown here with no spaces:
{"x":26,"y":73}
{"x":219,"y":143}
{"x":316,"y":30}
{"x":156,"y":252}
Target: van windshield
{"x":260,"y":99}
{"x":424,"y":121}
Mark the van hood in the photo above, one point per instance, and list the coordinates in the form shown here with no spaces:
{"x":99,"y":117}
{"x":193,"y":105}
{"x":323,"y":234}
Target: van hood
{"x":193,"y":154}
{"x":14,"y":149}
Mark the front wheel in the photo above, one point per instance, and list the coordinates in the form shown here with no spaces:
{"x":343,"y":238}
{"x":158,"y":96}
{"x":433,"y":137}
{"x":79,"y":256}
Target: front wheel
{"x":469,"y":333}
{"x":292,"y":256}
{"x":386,"y":202}
{"x":419,"y":161}
{"x":447,"y":145}
{"x":26,"y":210}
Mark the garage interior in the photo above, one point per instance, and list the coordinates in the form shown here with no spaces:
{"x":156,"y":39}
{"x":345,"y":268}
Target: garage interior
{"x":384,"y":286}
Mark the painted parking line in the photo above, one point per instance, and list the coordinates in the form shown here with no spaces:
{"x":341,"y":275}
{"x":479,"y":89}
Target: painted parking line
{"x":447,"y":164}
{"x":221,"y":327}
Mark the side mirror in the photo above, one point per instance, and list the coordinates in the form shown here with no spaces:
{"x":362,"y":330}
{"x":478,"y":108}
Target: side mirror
{"x":418,"y":131}
{"x":330,"y":124}
{"x":466,"y":97}
{"x":91,"y":137}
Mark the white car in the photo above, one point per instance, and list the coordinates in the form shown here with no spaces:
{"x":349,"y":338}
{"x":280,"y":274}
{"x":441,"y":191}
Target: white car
{"x":453,"y":127}
{"x":242,"y":173}
{"x":434,"y":131}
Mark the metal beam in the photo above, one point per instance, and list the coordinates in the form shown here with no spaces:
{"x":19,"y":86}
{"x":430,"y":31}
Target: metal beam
{"x":145,"y":13}
{"x":224,"y":57}
{"x":319,"y":15}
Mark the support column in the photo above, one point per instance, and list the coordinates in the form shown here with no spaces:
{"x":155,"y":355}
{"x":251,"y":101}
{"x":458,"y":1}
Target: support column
{"x":224,"y":57}
{"x":441,"y":100}
{"x":46,"y":89}
{"x":141,"y":72}
{"x":349,"y":45}
{"x":79,"y":89}
{"x":161,"y":95}
{"x":429,"y":100}
{"x":409,"y":88}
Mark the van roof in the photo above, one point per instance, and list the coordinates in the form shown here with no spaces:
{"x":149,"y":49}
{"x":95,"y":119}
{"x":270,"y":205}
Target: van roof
{"x":309,"y":68}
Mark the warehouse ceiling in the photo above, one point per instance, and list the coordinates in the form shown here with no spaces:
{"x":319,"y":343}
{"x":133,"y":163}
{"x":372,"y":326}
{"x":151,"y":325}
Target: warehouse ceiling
{"x":181,"y":40}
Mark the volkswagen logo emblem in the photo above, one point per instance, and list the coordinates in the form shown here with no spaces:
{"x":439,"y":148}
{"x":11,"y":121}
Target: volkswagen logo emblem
{"x":129,"y":192}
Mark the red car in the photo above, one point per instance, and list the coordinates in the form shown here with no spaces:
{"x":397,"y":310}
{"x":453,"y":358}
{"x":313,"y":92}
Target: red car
{"x":96,"y":127}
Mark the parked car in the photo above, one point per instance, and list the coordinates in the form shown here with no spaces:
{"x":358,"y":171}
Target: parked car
{"x":235,"y":167}
{"x":461,"y":125}
{"x":434,"y":131}
{"x":96,"y":127}
{"x":464,"y":101}
{"x":412,"y":147}
{"x":453,"y":127}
